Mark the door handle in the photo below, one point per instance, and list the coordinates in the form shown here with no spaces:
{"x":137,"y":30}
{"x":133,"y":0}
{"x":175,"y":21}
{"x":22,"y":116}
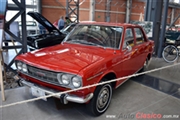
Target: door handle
{"x":136,"y":49}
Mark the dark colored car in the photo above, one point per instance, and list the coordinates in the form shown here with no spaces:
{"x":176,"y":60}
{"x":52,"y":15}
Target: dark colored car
{"x":52,"y":37}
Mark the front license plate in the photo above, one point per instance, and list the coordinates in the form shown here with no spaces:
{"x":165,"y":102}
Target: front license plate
{"x":38,"y":93}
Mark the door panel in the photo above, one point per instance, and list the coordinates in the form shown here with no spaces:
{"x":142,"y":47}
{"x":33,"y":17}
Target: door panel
{"x":141,"y":45}
{"x":129,"y":57}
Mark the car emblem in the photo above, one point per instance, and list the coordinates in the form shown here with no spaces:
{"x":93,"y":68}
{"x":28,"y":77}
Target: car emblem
{"x":40,"y":74}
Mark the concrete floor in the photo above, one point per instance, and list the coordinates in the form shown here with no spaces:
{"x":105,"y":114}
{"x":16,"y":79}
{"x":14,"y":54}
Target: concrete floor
{"x":130,"y":98}
{"x":171,"y":74}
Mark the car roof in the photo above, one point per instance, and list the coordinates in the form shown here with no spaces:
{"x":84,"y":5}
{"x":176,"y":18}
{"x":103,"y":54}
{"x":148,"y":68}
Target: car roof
{"x":107,"y":24}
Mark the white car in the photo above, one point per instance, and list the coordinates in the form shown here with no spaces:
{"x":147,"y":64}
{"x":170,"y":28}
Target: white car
{"x":31,"y":26}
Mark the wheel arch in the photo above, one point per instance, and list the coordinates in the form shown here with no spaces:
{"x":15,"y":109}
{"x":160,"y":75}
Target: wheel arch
{"x":94,"y":105}
{"x":109,"y":76}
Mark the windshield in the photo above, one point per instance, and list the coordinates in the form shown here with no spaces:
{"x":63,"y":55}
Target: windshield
{"x":68,"y":28}
{"x":96,"y":35}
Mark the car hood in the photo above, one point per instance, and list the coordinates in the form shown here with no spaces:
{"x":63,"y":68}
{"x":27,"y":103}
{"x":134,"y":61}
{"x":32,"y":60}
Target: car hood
{"x":43,"y":21}
{"x":64,"y":57}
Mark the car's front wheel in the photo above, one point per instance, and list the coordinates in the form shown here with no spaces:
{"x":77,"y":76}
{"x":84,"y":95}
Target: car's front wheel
{"x":101,"y":100}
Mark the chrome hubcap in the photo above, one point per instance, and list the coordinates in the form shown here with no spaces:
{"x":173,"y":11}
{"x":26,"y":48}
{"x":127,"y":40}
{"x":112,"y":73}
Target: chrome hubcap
{"x":103,"y":98}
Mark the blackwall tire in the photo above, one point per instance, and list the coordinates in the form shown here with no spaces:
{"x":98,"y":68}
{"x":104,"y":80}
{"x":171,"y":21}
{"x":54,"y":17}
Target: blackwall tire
{"x":145,"y":66}
{"x":101,"y":100}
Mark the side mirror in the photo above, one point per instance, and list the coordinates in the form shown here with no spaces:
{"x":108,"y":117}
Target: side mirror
{"x":129,"y":48}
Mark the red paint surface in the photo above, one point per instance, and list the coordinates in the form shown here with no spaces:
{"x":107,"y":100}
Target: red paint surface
{"x":88,"y":61}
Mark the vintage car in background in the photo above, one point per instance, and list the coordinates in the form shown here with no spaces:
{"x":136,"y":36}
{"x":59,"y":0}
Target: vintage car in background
{"x":171,"y":36}
{"x":31,"y":27}
{"x":92,"y":53}
{"x":52,"y":37}
{"x":56,"y":24}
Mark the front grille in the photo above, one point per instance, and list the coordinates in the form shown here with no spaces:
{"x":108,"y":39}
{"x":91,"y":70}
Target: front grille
{"x":43,"y":75}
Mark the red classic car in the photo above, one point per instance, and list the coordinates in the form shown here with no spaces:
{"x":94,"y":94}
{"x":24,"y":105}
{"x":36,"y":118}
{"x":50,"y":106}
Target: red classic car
{"x":93,"y":52}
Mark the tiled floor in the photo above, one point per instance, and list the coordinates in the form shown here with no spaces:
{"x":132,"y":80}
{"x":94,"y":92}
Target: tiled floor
{"x":132,"y":98}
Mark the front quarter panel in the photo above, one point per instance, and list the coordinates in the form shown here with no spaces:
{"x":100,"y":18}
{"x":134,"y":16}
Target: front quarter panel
{"x":95,"y":72}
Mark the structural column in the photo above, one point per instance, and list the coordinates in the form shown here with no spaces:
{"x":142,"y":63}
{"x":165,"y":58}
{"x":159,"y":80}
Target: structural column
{"x":163,"y":29}
{"x":157,"y":23}
{"x":92,"y":10}
{"x":173,"y":22}
{"x":128,"y":10}
{"x":3,"y":4}
{"x":108,"y":8}
{"x":24,"y":33}
{"x":154,"y":13}
{"x":39,"y":6}
{"x":172,"y":15}
{"x":72,"y":10}
{"x":148,"y":10}
{"x":20,"y":7}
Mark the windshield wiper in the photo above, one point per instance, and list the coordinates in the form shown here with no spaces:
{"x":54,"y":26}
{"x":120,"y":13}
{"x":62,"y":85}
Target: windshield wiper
{"x":91,"y":43}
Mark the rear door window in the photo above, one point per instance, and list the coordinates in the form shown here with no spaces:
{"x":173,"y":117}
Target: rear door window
{"x":139,"y":36}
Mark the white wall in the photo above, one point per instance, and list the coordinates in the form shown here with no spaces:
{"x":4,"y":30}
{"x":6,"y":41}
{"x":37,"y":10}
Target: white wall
{"x":10,"y":14}
{"x":176,"y":1}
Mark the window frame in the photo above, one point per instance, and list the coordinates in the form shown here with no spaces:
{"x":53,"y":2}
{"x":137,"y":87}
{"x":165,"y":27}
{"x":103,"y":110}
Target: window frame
{"x":84,"y":25}
{"x":133,"y":37}
{"x":142,"y":35}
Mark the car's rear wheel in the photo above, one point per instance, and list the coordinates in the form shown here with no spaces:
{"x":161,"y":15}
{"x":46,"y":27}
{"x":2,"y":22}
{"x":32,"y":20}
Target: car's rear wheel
{"x":101,"y":100}
{"x":145,"y":66}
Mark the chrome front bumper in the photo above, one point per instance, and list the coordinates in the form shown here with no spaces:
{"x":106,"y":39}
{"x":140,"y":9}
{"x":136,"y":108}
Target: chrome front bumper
{"x":65,"y":98}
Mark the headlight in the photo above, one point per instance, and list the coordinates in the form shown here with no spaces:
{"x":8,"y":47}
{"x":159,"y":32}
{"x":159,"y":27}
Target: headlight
{"x":76,"y":82}
{"x":69,"y":80}
{"x":65,"y":79}
{"x":19,"y":65}
{"x":24,"y":68}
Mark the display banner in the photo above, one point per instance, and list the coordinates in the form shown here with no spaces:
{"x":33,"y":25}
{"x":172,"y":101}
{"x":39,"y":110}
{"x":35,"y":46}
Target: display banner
{"x":3,"y":6}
